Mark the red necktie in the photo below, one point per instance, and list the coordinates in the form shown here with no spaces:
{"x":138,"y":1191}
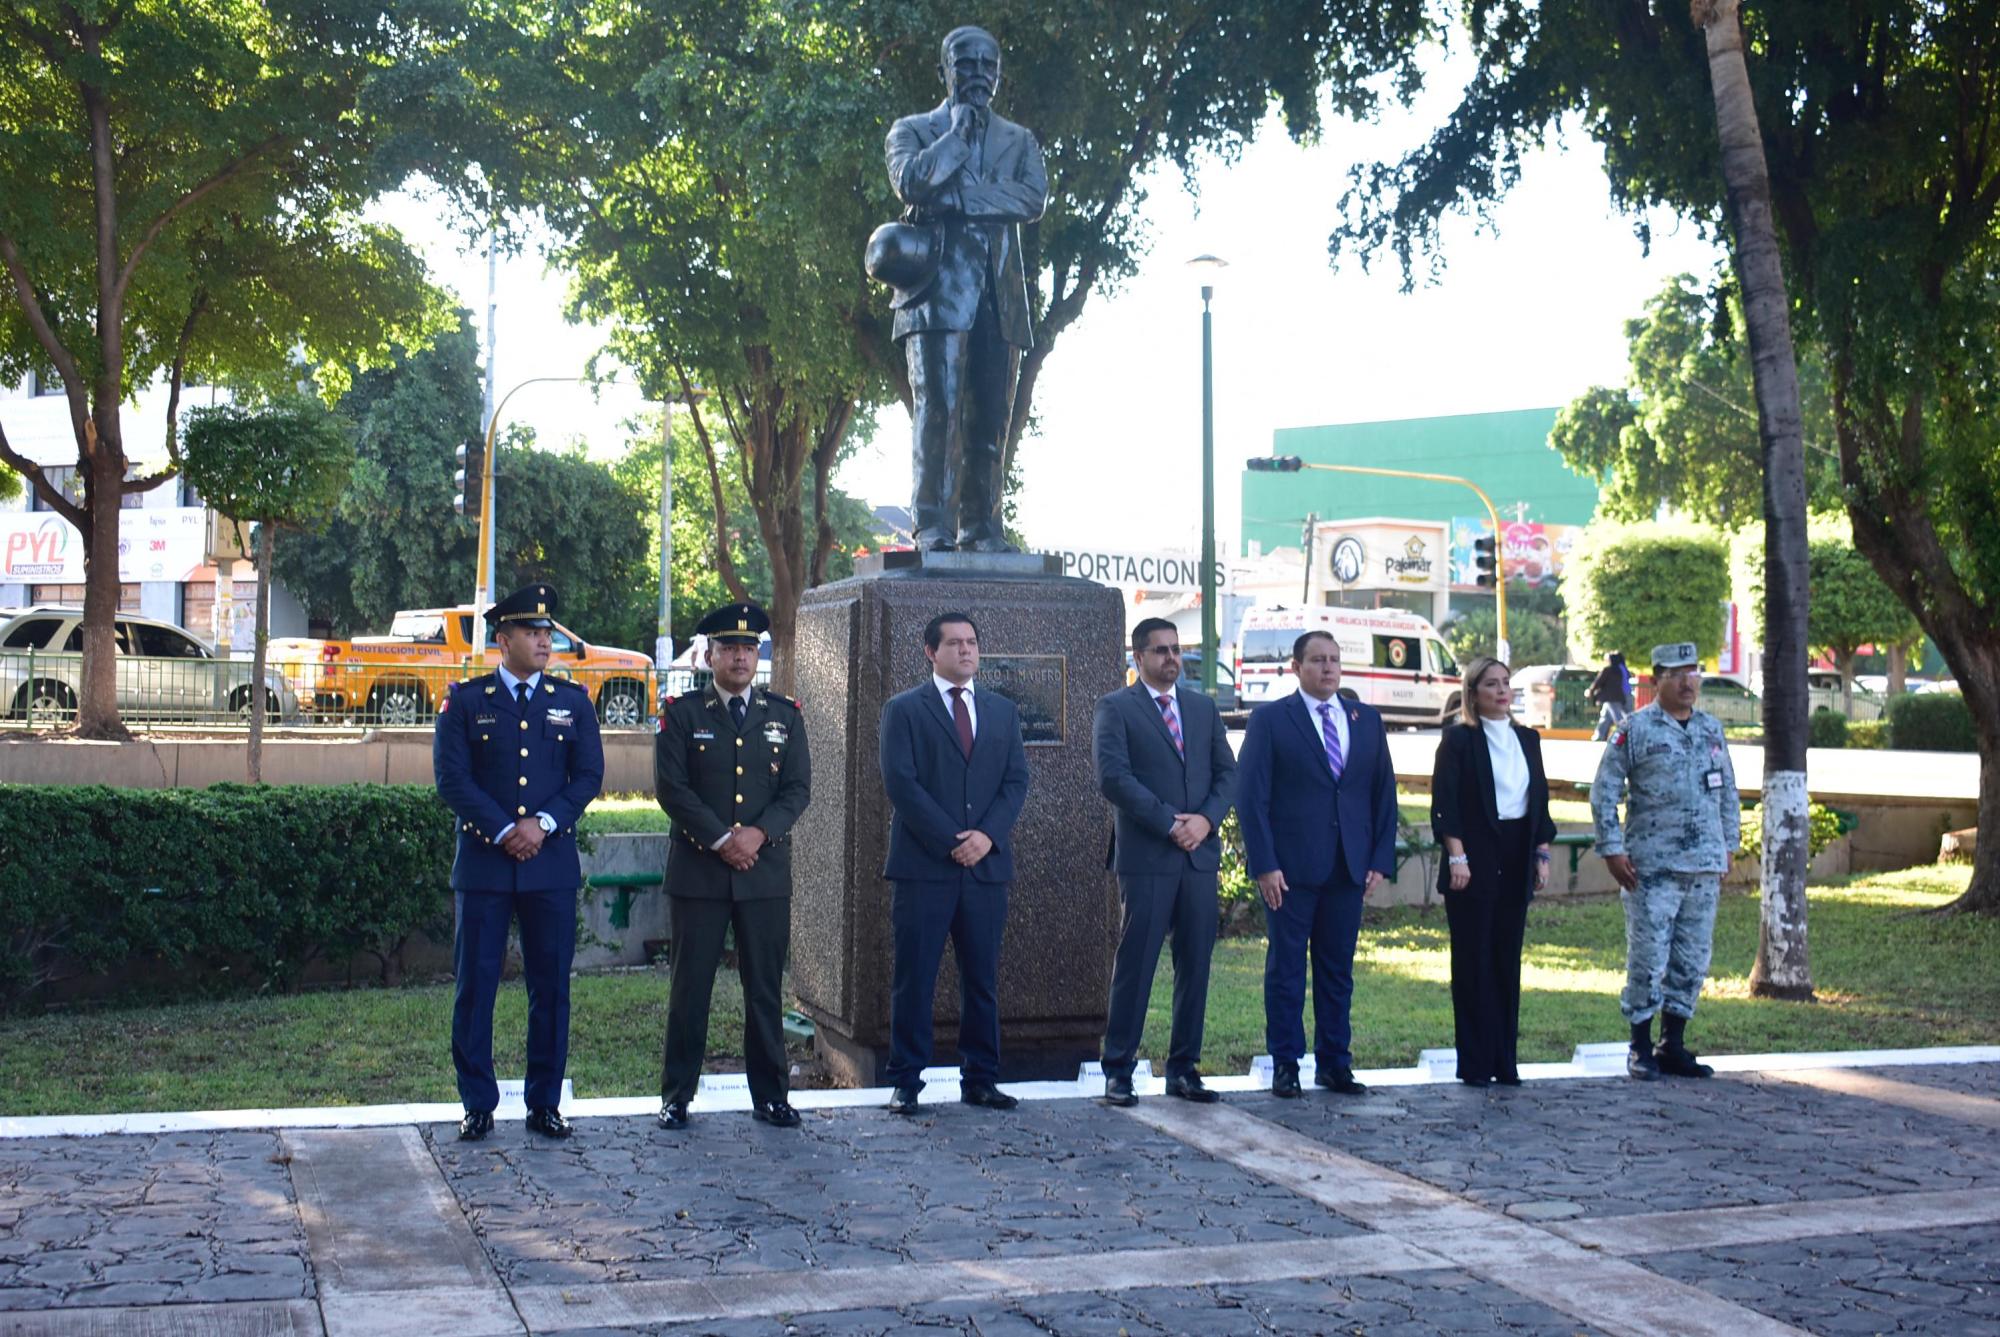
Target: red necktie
{"x":961,"y":715}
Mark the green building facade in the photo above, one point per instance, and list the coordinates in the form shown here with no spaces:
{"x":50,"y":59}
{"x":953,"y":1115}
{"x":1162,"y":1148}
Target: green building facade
{"x":1507,"y":454}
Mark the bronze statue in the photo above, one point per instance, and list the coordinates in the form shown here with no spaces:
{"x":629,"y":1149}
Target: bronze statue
{"x":967,"y":177}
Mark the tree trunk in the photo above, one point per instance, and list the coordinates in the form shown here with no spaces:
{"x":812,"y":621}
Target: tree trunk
{"x":104,"y":484}
{"x":1899,"y":672}
{"x":1782,"y":969}
{"x":1844,"y":661}
{"x":266,"y":541}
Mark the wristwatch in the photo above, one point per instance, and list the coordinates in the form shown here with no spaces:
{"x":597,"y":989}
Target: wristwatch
{"x":548,"y":823}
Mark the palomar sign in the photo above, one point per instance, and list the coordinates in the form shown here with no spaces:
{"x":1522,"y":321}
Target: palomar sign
{"x":162,"y":543}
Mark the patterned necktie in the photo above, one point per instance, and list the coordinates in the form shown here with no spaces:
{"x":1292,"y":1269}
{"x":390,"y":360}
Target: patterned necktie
{"x":1166,"y":704}
{"x":961,"y":715}
{"x":521,"y":694}
{"x":737,"y":710}
{"x":1332,"y":737}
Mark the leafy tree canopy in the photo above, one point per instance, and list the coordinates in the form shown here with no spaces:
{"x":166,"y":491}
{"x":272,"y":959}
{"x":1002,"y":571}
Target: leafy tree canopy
{"x":1632,"y":587}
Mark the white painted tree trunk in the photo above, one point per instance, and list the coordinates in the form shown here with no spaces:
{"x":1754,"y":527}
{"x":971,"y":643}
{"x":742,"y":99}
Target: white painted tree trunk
{"x":1783,"y":969}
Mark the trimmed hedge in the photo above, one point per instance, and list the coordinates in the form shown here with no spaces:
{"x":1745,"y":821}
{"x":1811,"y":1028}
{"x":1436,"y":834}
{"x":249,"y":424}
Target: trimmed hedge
{"x":1822,"y":829}
{"x":1932,"y":722}
{"x":1868,"y":733}
{"x":1827,"y":728}
{"x":231,"y":889}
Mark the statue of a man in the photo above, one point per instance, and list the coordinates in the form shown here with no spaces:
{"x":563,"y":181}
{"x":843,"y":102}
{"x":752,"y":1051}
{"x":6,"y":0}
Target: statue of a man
{"x":968,"y":178}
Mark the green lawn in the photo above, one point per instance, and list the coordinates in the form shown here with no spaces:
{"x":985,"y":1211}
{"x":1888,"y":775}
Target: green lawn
{"x":1887,"y":978}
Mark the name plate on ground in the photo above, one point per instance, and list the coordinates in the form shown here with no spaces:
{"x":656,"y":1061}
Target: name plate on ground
{"x":1035,"y":684}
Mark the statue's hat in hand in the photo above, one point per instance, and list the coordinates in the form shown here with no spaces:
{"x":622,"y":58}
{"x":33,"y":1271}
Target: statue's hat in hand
{"x":902,"y":255}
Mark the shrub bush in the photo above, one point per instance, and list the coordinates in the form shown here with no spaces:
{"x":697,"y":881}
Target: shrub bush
{"x":1827,"y":728}
{"x":232,"y":888}
{"x":1823,"y":828}
{"x":1868,"y":733}
{"x":1932,"y":722}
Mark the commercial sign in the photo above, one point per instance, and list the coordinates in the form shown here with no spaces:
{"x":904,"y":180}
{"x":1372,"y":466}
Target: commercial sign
{"x":1382,"y":555}
{"x":1530,"y":554}
{"x":42,"y":548}
{"x":1156,"y":571}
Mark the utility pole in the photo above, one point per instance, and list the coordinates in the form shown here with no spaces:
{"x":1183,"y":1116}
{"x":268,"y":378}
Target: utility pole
{"x":1311,"y":534}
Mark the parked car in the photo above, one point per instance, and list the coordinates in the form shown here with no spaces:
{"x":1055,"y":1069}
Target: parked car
{"x":1824,"y":686}
{"x":1730,"y":700}
{"x":164,"y":673}
{"x":1554,"y":696}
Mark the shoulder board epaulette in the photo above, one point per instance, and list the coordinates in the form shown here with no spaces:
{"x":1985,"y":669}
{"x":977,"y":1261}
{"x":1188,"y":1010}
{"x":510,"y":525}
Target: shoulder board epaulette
{"x":775,"y":696}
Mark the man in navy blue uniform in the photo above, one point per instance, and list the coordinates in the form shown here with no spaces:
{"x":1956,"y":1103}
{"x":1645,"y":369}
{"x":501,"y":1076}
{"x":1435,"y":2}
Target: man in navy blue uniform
{"x":518,"y":759}
{"x":957,"y":775}
{"x":1316,"y":797}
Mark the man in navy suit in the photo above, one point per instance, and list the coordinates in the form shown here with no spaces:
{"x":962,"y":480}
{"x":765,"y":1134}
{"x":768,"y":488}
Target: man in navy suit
{"x":518,"y":759}
{"x":1163,"y":759}
{"x":1316,"y":795}
{"x":957,"y":775}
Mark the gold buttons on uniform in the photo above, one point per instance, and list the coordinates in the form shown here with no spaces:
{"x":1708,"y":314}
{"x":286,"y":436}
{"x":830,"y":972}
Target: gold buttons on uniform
{"x":524,"y":751}
{"x":524,"y":724}
{"x":739,"y":798}
{"x":559,"y":738}
{"x":739,"y":770}
{"x":739,"y":742}
{"x":520,"y":812}
{"x":482,"y":738}
{"x":523,"y":780}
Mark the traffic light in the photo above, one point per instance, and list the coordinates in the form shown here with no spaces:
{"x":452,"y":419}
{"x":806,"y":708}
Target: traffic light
{"x":470,"y":480}
{"x":1484,"y":560}
{"x":1274,"y":464}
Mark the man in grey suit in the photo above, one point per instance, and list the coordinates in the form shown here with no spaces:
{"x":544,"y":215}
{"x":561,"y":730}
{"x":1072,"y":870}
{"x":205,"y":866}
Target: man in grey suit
{"x":971,"y":177}
{"x":1163,"y":759}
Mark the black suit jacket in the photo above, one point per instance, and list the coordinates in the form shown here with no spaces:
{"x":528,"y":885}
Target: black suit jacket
{"x":1463,"y":804}
{"x":1149,"y":780}
{"x":936,"y":792}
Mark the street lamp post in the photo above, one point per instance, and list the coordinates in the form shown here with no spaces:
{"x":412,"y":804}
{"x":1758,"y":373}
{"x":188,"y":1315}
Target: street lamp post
{"x":663,"y":636}
{"x":1208,"y":266}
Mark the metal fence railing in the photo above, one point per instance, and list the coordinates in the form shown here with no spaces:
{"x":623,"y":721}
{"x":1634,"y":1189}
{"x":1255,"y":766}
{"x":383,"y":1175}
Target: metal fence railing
{"x":40,"y":689}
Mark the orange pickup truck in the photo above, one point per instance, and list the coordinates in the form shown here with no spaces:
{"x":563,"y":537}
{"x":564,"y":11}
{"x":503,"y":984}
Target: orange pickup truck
{"x":401,"y":678}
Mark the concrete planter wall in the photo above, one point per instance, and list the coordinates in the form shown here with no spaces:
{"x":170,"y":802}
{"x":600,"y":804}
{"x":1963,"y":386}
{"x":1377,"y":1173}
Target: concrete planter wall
{"x":642,"y":908}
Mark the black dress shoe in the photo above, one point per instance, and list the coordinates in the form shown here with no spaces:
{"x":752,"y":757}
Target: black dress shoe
{"x":776,"y":1113}
{"x":986,"y":1095}
{"x":1285,"y":1081}
{"x":1475,"y":1081}
{"x":903,"y":1100}
{"x":1340,"y":1081}
{"x":1118,"y":1091}
{"x":475,"y":1125}
{"x":673,"y":1115}
{"x":549,"y":1122}
{"x":1187,"y":1086}
{"x":1511,"y":1079}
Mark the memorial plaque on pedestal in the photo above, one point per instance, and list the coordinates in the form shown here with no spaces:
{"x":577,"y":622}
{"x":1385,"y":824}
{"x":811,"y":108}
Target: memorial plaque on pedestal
{"x":1051,"y":644}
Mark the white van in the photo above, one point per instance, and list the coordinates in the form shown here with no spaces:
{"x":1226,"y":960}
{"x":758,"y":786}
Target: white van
{"x":1390,"y":659}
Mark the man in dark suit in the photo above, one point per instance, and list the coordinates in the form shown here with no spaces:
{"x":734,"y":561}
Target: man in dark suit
{"x":518,"y":759}
{"x":957,"y":774}
{"x":971,"y":176}
{"x":1163,"y":759}
{"x":1316,"y":796}
{"x":730,"y":767}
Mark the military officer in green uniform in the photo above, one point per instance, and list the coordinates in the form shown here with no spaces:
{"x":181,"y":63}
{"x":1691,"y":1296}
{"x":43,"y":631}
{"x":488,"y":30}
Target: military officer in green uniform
{"x":730,"y":766}
{"x":1670,"y":764}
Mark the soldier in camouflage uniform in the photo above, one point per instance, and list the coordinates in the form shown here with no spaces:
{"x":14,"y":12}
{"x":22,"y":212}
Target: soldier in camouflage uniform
{"x":1682,"y":820}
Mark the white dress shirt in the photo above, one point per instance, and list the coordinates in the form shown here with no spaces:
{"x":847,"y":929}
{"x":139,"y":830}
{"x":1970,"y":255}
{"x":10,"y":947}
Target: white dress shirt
{"x":944,"y":688}
{"x":1510,"y":768}
{"x":1339,"y":717}
{"x":511,"y":683}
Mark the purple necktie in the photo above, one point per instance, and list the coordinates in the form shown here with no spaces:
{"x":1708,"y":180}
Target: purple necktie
{"x":1173,"y":725}
{"x":1332,"y":737}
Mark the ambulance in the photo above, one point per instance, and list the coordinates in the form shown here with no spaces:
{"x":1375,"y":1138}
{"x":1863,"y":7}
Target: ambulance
{"x":1389,"y":659}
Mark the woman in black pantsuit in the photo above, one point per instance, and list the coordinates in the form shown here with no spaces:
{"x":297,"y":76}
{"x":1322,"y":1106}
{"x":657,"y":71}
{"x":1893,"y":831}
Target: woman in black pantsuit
{"x":1490,"y":811}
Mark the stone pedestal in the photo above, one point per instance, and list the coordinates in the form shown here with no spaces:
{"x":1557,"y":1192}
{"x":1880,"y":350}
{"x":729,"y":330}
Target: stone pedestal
{"x":1052,"y":644}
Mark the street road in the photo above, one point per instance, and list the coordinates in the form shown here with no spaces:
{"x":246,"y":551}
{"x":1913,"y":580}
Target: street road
{"x":1831,"y":773}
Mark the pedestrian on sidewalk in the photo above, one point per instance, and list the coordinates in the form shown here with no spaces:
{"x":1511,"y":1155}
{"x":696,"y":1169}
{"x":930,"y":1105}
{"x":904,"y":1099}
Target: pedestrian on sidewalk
{"x":1670,"y":765}
{"x":1316,"y":797}
{"x":731,"y":768}
{"x":1164,"y":761}
{"x":518,"y":759}
{"x":1611,"y":691}
{"x":1490,"y":811}
{"x":956,"y":773}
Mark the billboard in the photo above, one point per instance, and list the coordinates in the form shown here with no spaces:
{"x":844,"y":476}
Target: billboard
{"x":162,"y":543}
{"x":1530,"y":553}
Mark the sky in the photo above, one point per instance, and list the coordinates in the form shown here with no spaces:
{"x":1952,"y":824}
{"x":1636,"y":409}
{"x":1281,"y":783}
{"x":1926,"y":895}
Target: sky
{"x":1528,"y":314}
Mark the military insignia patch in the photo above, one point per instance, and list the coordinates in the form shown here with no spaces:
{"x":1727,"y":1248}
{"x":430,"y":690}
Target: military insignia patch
{"x":559,"y":716}
{"x":774,"y":732}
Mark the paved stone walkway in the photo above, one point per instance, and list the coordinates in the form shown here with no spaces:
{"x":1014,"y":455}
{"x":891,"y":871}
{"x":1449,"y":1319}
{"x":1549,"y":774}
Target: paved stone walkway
{"x":1825,"y":1201}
